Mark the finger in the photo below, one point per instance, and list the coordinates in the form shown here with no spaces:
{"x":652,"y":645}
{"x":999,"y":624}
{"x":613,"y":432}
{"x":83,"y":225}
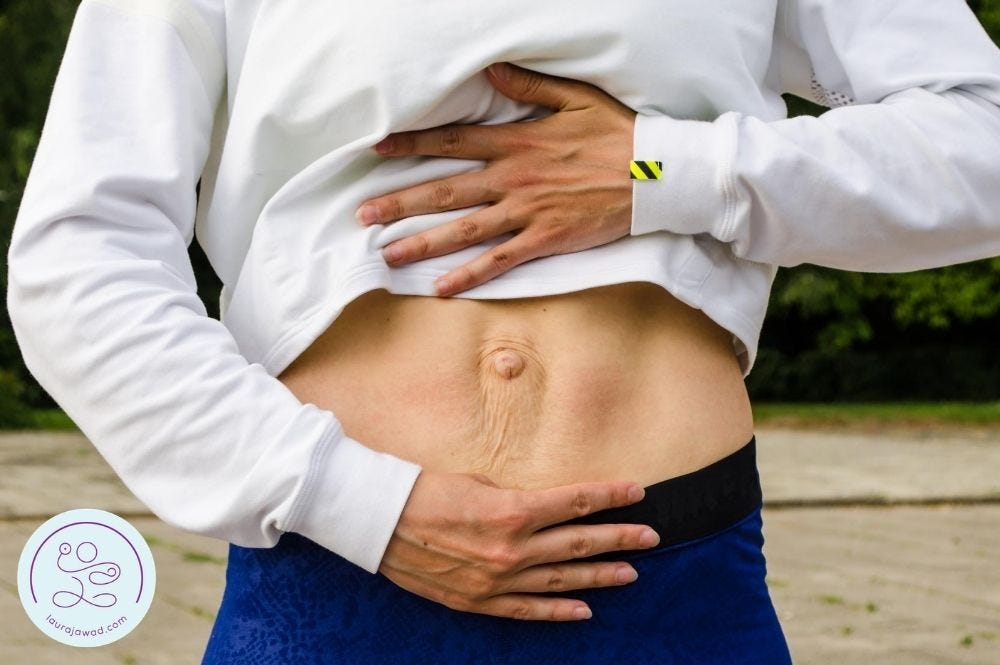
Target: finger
{"x":569,"y":577}
{"x":448,"y":237}
{"x":513,"y":605}
{"x":497,"y":260}
{"x":534,"y":608}
{"x":578,"y":541}
{"x":552,"y":505}
{"x":534,"y":87}
{"x":461,"y":191}
{"x":463,"y":141}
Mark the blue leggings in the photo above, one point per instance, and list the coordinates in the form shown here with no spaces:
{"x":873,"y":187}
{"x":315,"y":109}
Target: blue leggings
{"x":700,"y":596}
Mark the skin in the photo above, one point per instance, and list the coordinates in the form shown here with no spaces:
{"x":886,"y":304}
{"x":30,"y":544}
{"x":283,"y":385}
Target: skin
{"x":561,"y":182}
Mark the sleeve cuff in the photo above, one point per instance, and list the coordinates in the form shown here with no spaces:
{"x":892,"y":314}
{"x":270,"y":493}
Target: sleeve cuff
{"x":695,"y":194}
{"x":351,"y":501}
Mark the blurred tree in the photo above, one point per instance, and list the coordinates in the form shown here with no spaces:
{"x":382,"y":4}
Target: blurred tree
{"x":988,"y":12}
{"x":818,"y":315}
{"x":33,"y":35}
{"x":833,"y":311}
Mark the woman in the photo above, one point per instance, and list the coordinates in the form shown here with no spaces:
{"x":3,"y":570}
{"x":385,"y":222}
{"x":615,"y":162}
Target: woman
{"x":477,"y":451}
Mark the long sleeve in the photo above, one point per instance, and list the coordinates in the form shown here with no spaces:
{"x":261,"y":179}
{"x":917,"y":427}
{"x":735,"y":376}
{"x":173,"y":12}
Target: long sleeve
{"x":103,"y":302}
{"x":901,"y":173}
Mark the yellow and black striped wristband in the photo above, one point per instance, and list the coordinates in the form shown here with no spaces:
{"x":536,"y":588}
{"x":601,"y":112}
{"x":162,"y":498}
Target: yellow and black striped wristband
{"x":645,"y":169}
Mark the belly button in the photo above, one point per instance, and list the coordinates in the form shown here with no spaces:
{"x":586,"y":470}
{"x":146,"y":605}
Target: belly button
{"x":508,"y":363}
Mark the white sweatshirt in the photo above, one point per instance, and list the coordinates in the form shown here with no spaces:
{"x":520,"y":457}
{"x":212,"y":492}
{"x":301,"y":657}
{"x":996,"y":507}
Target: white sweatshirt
{"x":275,"y":105}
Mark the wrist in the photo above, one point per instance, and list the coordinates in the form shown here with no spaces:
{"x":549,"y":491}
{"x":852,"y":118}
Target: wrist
{"x":352,"y":499}
{"x":694,"y":192}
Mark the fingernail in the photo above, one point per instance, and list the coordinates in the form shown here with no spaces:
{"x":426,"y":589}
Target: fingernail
{"x":385,"y":145}
{"x":649,"y":538}
{"x":367,"y":214}
{"x":582,"y":613}
{"x":635,"y":493}
{"x":393,"y":253}
{"x":626,"y":575}
{"x":500,"y":70}
{"x":441,"y":286}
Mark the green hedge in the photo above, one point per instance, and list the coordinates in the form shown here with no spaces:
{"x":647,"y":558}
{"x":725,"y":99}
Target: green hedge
{"x":939,"y":372}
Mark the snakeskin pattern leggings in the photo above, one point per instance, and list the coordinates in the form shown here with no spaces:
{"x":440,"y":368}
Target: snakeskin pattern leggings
{"x":700,"y":596}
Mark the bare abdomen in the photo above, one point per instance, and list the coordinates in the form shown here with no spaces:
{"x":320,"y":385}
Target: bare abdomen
{"x":616,"y":382}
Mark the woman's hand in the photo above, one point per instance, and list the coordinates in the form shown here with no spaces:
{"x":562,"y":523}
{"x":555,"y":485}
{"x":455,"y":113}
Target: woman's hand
{"x":561,"y":182}
{"x":465,"y":543}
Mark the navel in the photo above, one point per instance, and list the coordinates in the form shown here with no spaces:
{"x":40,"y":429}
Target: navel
{"x":502,"y":358}
{"x":511,"y":381}
{"x":508,"y":363}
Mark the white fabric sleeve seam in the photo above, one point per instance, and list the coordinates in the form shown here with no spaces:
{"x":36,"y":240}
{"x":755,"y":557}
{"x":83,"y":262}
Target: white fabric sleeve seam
{"x":727,"y":227}
{"x":316,"y":460}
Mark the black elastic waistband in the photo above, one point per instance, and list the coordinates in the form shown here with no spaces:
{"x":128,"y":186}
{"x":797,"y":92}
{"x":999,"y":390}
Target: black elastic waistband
{"x":689,"y":506}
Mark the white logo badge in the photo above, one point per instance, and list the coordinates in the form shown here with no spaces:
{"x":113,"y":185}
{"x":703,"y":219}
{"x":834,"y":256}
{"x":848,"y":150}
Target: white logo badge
{"x":86,"y":577}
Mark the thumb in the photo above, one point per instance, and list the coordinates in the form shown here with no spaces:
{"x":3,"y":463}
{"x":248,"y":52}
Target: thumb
{"x":525,"y":85}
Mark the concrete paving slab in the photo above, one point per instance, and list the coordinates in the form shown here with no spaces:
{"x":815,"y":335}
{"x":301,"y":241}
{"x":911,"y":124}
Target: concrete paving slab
{"x":46,"y":473}
{"x":904,"y":584}
{"x":803,"y":467}
{"x":882,"y":584}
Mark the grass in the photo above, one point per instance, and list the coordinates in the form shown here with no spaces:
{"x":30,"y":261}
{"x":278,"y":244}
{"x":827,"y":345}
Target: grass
{"x":776,"y":414}
{"x":201,"y":557}
{"x":39,"y":419}
{"x":51,"y":419}
{"x":186,"y":554}
{"x":806,"y":414}
{"x":831,"y":599}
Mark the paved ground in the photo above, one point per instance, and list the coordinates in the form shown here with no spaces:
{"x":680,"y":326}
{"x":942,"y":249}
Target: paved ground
{"x":881,"y":548}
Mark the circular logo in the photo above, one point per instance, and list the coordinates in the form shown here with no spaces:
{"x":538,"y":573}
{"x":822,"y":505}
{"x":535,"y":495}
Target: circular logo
{"x":86,"y":577}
